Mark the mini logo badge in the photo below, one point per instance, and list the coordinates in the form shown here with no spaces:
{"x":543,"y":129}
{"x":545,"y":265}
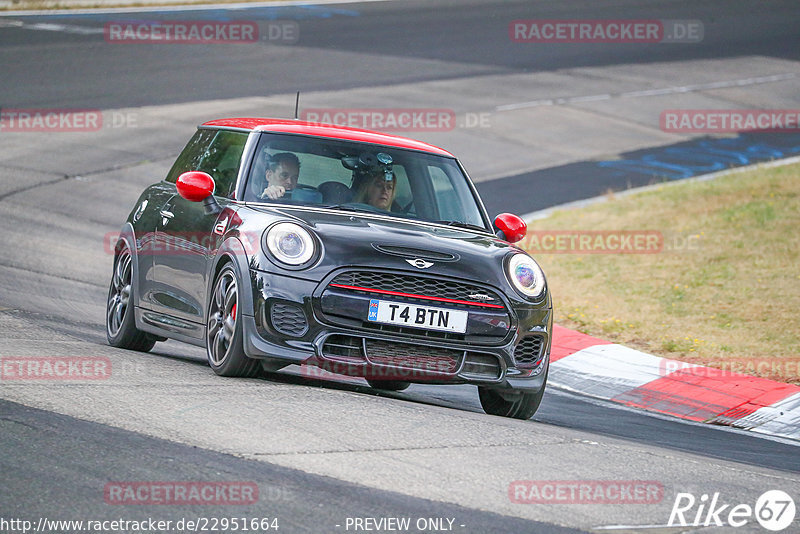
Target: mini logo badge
{"x":480,"y":296}
{"x":420,"y":263}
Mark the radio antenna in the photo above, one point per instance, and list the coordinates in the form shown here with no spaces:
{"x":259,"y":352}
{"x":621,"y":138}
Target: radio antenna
{"x":296,"y":105}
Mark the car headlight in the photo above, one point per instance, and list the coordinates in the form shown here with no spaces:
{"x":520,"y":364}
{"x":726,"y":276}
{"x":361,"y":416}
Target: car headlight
{"x":290,"y":243}
{"x":526,"y":275}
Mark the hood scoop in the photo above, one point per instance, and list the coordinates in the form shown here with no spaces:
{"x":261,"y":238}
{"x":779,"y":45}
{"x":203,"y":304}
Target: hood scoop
{"x":415,"y":253}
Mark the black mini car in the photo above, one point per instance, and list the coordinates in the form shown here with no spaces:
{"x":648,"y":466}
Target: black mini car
{"x":277,"y":242}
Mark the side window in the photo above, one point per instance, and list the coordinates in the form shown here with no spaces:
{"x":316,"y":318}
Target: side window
{"x":221,"y":160}
{"x":192,"y":155}
{"x":216,"y":152}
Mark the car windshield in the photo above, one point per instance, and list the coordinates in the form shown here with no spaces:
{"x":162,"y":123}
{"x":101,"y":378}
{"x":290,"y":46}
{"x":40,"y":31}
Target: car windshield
{"x":351,"y":176}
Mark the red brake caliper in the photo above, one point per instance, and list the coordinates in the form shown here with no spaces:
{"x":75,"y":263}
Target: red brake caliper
{"x":233,"y":312}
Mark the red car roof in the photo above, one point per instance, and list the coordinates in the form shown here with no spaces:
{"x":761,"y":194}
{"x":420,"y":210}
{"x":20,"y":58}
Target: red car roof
{"x":326,"y":130}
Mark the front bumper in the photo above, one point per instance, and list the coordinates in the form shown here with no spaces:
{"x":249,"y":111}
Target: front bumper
{"x":287,"y":326}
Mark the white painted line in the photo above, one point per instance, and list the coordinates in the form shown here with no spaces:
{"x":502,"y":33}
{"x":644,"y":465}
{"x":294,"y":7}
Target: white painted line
{"x":591,"y":98}
{"x":179,"y":8}
{"x":633,"y":527}
{"x":651,"y":92}
{"x":65,"y":28}
{"x":531,"y":104}
{"x":713,"y":85}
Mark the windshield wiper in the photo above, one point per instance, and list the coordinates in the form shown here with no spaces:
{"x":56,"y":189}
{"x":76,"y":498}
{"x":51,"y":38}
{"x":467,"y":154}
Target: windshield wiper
{"x":460,"y":224}
{"x":349,"y":207}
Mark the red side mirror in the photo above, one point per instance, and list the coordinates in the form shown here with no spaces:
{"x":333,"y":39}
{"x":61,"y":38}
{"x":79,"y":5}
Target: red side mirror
{"x":195,"y":186}
{"x":512,"y":226}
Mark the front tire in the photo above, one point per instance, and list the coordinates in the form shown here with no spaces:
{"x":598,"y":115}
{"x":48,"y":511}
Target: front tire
{"x":224,"y":335}
{"x":121,"y":328}
{"x":518,"y":406}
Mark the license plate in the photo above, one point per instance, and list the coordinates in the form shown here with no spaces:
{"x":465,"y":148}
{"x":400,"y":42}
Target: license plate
{"x":413,"y":315}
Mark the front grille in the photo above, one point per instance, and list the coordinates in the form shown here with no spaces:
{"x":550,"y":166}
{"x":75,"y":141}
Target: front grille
{"x":418,"y":285}
{"x":288,"y":319}
{"x":419,"y":357}
{"x":481,"y":367}
{"x":528,"y":352}
{"x":340,"y":347}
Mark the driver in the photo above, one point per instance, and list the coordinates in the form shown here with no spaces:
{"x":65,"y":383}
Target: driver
{"x":377,"y":188}
{"x":283,"y":170}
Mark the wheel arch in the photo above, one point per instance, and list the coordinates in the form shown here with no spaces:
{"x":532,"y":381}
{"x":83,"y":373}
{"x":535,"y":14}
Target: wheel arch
{"x":127,"y":237}
{"x":233,"y":252}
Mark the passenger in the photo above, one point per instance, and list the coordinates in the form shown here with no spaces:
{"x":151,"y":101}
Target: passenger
{"x":377,"y":189}
{"x":283,"y":171}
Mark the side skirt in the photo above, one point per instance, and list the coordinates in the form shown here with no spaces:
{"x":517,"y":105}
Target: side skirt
{"x":170,"y":327}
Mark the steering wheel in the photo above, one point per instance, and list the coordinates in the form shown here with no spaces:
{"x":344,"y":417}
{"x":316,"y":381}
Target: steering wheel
{"x":304,"y":193}
{"x":305,"y":187}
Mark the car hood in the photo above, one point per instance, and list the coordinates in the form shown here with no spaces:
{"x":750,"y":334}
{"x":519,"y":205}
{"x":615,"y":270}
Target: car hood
{"x":363,"y":240}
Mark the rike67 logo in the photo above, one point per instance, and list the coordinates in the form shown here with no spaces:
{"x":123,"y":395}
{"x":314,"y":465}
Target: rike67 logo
{"x":774,"y":510}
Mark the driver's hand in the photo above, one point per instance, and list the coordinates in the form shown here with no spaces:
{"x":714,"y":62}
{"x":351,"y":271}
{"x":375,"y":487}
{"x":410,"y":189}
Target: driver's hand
{"x":273,"y":192}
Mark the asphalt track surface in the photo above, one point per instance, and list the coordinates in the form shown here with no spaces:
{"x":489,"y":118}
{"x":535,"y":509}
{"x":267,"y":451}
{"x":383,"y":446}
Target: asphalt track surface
{"x":458,"y":38}
{"x":426,"y":452}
